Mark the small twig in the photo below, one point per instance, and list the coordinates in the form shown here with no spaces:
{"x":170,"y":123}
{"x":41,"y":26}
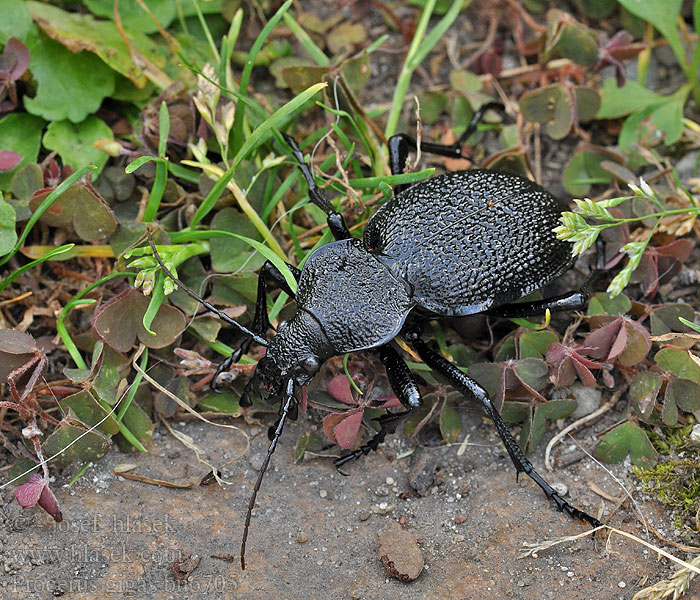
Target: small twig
{"x":15,"y":299}
{"x":485,"y":45}
{"x":579,"y":423}
{"x":160,"y":482}
{"x":533,"y":549}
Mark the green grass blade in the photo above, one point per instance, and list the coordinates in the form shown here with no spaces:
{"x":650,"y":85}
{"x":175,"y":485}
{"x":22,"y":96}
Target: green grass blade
{"x":50,"y":199}
{"x":401,"y":178}
{"x":259,"y":136}
{"x":420,"y":47}
{"x":316,"y":54}
{"x":268,"y":253}
{"x":237,"y":129}
{"x":49,"y":255}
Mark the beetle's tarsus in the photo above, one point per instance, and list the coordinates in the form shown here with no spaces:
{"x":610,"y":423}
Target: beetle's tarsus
{"x":472,"y":389}
{"x":387,"y":425}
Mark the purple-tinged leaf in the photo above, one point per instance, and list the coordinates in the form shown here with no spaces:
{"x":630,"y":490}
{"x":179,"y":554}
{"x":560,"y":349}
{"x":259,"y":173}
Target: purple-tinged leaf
{"x":28,"y":493}
{"x":621,"y":338}
{"x":346,"y":431}
{"x":35,"y":491}
{"x":619,"y":342}
{"x":48,"y":502}
{"x":120,"y":321}
{"x":14,"y":59}
{"x":339,"y":388}
{"x":9,"y":160}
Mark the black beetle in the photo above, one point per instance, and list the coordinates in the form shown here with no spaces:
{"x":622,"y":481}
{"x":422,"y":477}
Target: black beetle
{"x":453,"y":245}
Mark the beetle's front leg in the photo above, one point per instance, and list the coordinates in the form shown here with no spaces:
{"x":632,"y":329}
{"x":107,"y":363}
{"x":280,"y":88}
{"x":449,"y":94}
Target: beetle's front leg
{"x":406,"y":390}
{"x":335,"y":220}
{"x":472,"y":389}
{"x":261,"y":322}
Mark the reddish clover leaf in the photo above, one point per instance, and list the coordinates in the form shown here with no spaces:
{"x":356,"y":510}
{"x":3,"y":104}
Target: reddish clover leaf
{"x":119,"y":322}
{"x":36,"y":491}
{"x":339,"y":388}
{"x":343,"y":427}
{"x":619,"y":338}
{"x":620,"y":47}
{"x":567,"y":362}
{"x":9,"y":160}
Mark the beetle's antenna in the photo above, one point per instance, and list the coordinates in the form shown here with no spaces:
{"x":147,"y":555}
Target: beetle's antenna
{"x":222,"y":315}
{"x":289,"y":398}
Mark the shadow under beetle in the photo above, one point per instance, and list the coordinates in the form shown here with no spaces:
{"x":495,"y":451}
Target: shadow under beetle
{"x":453,"y":245}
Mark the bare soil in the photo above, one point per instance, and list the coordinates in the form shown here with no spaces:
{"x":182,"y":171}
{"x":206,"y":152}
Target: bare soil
{"x":314,"y":532}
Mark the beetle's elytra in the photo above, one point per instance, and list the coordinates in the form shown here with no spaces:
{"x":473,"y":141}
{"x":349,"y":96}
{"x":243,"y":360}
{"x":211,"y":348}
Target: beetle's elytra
{"x":454,"y":245}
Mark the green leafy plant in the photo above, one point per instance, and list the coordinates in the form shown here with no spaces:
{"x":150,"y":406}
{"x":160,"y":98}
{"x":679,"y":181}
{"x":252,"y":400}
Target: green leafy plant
{"x":583,"y":234}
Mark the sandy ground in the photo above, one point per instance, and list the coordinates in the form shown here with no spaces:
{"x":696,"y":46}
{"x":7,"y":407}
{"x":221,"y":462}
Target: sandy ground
{"x":314,"y":532}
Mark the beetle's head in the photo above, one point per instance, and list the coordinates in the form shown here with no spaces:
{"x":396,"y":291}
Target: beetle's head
{"x":294,"y":353}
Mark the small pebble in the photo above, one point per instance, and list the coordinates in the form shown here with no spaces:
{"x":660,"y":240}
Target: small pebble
{"x":383,"y":508}
{"x":364,"y":515}
{"x":322,"y":493}
{"x":560,"y":489}
{"x":695,"y":433}
{"x":460,"y":518}
{"x":302,"y":537}
{"x":400,"y":553}
{"x":390,"y":481}
{"x":621,"y":584}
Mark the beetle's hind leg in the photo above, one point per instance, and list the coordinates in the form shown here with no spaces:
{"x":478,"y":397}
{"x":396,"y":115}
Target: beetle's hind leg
{"x":472,"y":389}
{"x":406,"y":390}
{"x":401,"y":144}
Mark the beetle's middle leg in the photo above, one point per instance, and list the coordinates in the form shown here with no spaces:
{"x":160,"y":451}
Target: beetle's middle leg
{"x":574,"y":300}
{"x":472,"y":389}
{"x":406,"y":390}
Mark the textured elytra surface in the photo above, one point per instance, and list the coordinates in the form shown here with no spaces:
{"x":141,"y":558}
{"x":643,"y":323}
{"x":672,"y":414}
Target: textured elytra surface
{"x":470,"y":240}
{"x":455,"y":245}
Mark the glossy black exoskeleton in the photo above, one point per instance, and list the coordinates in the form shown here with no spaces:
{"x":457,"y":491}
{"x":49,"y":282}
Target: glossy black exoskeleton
{"x":454,"y":245}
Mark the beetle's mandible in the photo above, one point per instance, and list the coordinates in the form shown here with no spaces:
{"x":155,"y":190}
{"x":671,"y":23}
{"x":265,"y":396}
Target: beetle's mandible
{"x":454,"y":245}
